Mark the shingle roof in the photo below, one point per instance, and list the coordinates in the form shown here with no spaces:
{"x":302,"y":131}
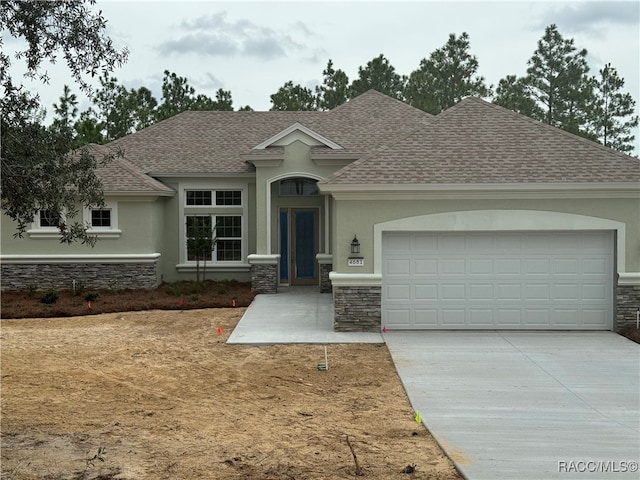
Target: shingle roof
{"x":479,"y":142}
{"x":218,"y":142}
{"x":119,"y":175}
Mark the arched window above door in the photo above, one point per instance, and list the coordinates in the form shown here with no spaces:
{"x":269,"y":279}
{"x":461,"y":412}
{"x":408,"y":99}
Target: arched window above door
{"x":298,"y":187}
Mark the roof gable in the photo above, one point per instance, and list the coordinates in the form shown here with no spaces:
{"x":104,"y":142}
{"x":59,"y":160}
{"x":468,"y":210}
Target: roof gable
{"x":297,"y":131}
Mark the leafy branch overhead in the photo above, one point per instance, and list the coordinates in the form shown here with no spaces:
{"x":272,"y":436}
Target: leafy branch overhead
{"x":38,"y":173}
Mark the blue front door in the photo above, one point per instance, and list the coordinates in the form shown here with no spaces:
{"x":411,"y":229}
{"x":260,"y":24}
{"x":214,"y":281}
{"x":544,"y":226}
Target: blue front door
{"x":298,"y":246}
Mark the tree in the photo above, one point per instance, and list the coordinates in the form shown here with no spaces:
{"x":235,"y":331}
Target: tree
{"x":115,"y":108}
{"x":612,"y":114}
{"x":88,"y":129}
{"x":293,"y":97}
{"x":66,"y":111}
{"x":145,"y":106}
{"x":558,"y":76}
{"x":224,"y":102}
{"x":515,"y":94}
{"x":379,"y":75}
{"x":334,"y":90}
{"x":37,"y":170}
{"x":201,"y":242}
{"x":178,"y":96}
{"x":446,"y":77}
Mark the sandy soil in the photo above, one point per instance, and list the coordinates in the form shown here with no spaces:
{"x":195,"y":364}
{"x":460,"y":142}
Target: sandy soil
{"x":166,"y":398}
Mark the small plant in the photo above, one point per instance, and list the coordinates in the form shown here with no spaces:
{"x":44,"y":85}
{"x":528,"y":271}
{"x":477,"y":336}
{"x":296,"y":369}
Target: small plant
{"x":194,"y":298}
{"x":98,"y":456}
{"x":31,"y":289}
{"x":50,"y":297}
{"x":91,"y":297}
{"x":77,"y":287}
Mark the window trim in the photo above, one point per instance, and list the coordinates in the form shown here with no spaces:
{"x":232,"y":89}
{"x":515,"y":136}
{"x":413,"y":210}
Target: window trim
{"x":214,"y":192}
{"x":38,"y":231}
{"x":214,"y":257}
{"x":186,"y":239}
{"x":103,"y":232}
{"x":239,"y":238}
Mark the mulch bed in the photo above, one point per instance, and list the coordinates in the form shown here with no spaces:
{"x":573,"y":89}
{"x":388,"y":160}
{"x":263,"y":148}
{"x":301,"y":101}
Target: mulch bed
{"x":168,"y":296}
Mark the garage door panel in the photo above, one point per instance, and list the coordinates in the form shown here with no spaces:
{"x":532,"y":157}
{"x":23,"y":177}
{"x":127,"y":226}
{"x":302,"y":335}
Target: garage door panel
{"x":451,"y":243}
{"x":399,"y":291}
{"x":450,"y":266}
{"x":398,"y":267}
{"x":509,"y":242}
{"x":480,"y":266}
{"x":426,"y":292}
{"x":566,"y":266}
{"x":426,"y":317}
{"x":398,"y":243}
{"x":509,"y":291}
{"x":399,"y":317}
{"x":538,"y":317}
{"x":422,"y":243}
{"x":453,"y":291}
{"x":483,"y":244}
{"x":537,"y":266}
{"x":566,"y":291}
{"x":595,"y":242}
{"x":565,"y":242}
{"x":537,"y":242}
{"x":593,"y":317}
{"x":453,"y":317}
{"x":519,"y":280}
{"x":481,"y":291}
{"x":568,"y":318}
{"x":594,"y":291}
{"x":595,"y":266}
{"x":426,"y":267}
{"x":509,"y":317}
{"x":537,"y":291}
{"x":508,"y":266}
{"x":480,"y":317}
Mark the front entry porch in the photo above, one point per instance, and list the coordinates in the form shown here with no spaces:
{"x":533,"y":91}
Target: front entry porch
{"x":294,"y":315}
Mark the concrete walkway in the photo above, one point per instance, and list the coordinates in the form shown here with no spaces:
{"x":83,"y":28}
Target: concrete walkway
{"x":526,"y":405}
{"x":293,"y":315}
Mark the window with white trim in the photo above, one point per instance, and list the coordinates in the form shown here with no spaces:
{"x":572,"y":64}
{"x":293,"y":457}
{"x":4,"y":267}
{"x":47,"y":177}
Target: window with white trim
{"x":228,"y":238}
{"x":199,"y":238}
{"x":48,"y":219}
{"x":101,"y":218}
{"x":225,"y":240}
{"x":222,"y":198}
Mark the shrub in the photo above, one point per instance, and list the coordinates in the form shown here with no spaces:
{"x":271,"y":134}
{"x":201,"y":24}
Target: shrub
{"x":91,"y":297}
{"x":50,"y":297}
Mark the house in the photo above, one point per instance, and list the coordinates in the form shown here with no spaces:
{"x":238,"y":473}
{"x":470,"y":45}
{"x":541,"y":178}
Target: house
{"x":477,"y":218}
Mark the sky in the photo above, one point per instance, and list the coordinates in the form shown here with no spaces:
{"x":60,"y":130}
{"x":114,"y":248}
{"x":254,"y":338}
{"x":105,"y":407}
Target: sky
{"x":253,"y":48}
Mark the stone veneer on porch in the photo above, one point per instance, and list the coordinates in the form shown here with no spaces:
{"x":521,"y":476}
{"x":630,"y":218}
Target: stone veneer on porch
{"x":264,"y":273}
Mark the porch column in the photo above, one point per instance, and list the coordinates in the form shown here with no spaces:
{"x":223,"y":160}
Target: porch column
{"x":325,"y":262}
{"x":357,"y":300}
{"x":264,"y":273}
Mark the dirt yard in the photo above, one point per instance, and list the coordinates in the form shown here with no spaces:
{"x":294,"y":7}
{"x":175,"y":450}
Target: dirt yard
{"x":159,"y":395}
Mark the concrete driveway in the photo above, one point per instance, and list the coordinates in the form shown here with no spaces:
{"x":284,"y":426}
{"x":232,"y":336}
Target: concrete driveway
{"x":526,"y":405}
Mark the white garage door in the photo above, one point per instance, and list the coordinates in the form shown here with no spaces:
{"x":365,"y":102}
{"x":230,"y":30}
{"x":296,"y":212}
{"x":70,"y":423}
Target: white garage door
{"x":498,"y":280}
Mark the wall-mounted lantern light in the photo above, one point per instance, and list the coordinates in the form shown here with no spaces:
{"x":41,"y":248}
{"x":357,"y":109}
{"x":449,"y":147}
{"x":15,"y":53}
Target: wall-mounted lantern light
{"x":355,"y":245}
